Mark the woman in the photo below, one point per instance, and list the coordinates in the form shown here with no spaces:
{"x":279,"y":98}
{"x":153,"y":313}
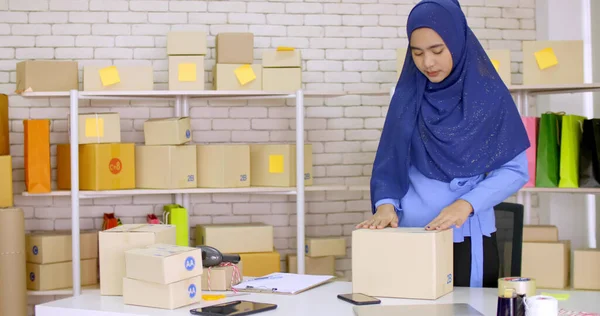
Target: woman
{"x":453,"y":143}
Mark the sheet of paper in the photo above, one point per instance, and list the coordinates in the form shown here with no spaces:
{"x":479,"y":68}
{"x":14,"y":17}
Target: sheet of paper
{"x":288,"y":283}
{"x":245,"y":74}
{"x":496,"y":64}
{"x":187,"y":72}
{"x":546,"y":58}
{"x":109,"y":75}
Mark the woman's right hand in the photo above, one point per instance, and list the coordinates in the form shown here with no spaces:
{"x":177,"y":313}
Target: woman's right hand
{"x":384,"y":216}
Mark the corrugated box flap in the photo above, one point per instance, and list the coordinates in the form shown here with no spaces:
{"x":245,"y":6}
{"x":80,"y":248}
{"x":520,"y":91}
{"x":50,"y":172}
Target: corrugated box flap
{"x":161,"y":250}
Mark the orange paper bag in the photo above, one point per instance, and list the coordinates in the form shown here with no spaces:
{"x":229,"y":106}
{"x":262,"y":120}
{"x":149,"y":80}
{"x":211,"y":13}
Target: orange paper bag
{"x":4,"y":141}
{"x":37,"y":155}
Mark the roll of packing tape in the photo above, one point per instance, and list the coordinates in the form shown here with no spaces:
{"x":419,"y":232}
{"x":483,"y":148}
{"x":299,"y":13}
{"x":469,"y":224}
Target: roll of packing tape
{"x":522,"y":286}
{"x":541,"y":305}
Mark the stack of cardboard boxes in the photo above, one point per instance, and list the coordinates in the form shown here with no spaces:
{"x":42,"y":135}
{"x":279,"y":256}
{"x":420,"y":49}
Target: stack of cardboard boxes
{"x":320,"y":254}
{"x":235,"y":68}
{"x":6,"y":185}
{"x":282,"y":69}
{"x":186,"y":50}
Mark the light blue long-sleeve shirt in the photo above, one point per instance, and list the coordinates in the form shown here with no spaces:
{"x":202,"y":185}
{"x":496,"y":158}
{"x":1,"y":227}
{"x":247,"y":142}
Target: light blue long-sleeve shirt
{"x":426,"y":198}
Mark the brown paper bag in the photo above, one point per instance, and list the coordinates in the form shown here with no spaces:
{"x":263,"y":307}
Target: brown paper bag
{"x":37,"y":155}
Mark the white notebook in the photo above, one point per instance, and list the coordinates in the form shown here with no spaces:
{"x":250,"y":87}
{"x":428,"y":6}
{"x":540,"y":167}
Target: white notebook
{"x":284,"y":283}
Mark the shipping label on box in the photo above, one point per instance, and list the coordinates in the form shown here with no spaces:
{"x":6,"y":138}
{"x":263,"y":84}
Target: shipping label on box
{"x":326,"y":246}
{"x":392,"y":275}
{"x":500,"y":59}
{"x":163,"y":263}
{"x":37,"y":155}
{"x":552,"y":62}
{"x":168,"y":131}
{"x":186,"y":43}
{"x":235,"y":48}
{"x":55,"y":246}
{"x":223,"y":165}
{"x":275,"y":165}
{"x":276,"y":58}
{"x":257,"y":264}
{"x":118,"y":78}
{"x":115,"y":241}
{"x":98,"y":128}
{"x":55,"y":276}
{"x":546,"y":233}
{"x":222,"y":278}
{"x":165,"y":296}
{"x":186,"y":73}
{"x":548,"y":263}
{"x":4,"y":130}
{"x":47,"y":75}
{"x":586,"y":269}
{"x":282,"y":79}
{"x":6,"y":181}
{"x":165,"y":167}
{"x":236,"y":238}
{"x":237,"y":77}
{"x":312,"y":265}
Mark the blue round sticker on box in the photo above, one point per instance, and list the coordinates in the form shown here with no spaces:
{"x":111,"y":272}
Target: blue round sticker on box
{"x":188,"y":134}
{"x":35,"y":250}
{"x":192,"y":290}
{"x":190,"y":263}
{"x":32,"y":276}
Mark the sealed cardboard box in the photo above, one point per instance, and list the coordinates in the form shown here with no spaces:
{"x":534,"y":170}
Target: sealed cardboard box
{"x":168,"y":131}
{"x":115,"y":241}
{"x":163,"y":263}
{"x":257,"y":264}
{"x":500,"y":58}
{"x":237,"y":77}
{"x":312,"y":265}
{"x":118,"y":78}
{"x":186,"y":73}
{"x":548,"y":263}
{"x":235,"y":48}
{"x":13,"y":270}
{"x":55,"y":246}
{"x":275,"y":165}
{"x":281,"y":58}
{"x":547,"y":233}
{"x":99,"y":128}
{"x":430,"y":277}
{"x":282,"y":79}
{"x":236,"y":238}
{"x":586,"y":269}
{"x":552,"y":62}
{"x":186,"y":43}
{"x":41,"y":76}
{"x":55,"y":276}
{"x":37,"y":155}
{"x":222,"y":278}
{"x":223,"y":165}
{"x":4,"y":130}
{"x":165,"y":296}
{"x":6,"y":183}
{"x":165,"y":167}
{"x":325,"y":246}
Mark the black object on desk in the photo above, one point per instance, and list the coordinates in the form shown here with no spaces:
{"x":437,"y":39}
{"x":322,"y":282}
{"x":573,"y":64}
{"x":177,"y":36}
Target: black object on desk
{"x":211,"y":257}
{"x":235,"y":308}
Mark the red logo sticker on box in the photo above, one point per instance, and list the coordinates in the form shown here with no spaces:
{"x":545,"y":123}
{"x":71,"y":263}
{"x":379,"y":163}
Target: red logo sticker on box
{"x":115,"y":166}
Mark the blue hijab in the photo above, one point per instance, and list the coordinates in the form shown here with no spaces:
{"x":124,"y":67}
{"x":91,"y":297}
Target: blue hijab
{"x":464,"y":126}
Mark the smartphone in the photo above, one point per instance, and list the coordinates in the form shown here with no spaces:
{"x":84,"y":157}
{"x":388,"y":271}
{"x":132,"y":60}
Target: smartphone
{"x":359,"y":299}
{"x":237,"y":308}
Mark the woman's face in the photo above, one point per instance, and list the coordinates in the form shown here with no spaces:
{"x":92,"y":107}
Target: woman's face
{"x":431,"y":55}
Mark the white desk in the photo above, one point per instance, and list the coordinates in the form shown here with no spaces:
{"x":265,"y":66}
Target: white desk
{"x":316,"y":302}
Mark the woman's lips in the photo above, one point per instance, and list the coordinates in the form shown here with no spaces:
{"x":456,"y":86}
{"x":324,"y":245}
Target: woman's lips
{"x":433,"y":74}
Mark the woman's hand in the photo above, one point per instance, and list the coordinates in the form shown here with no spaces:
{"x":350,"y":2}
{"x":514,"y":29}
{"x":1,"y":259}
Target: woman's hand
{"x":384,"y":216}
{"x":454,"y":214}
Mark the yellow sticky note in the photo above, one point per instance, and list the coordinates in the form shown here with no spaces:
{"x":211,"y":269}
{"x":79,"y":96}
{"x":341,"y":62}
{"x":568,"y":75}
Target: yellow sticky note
{"x":245,"y":74}
{"x":496,"y":64}
{"x":187,"y":72}
{"x":546,"y":58}
{"x":558,"y":296}
{"x":284,"y":49}
{"x":276,"y":164}
{"x":109,"y":75}
{"x":94,"y":127}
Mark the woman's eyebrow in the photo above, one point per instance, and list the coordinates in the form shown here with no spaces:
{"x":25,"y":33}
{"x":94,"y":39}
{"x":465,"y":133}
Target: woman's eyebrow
{"x":430,"y":47}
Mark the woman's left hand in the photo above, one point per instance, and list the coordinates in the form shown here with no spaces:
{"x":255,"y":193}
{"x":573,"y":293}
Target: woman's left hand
{"x":454,"y":214}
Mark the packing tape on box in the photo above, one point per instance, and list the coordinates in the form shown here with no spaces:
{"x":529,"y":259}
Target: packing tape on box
{"x":522,"y":286}
{"x":541,"y":305}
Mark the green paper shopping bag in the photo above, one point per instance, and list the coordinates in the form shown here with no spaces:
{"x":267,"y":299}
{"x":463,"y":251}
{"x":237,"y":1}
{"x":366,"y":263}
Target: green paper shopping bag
{"x":548,"y":151}
{"x":570,"y":140}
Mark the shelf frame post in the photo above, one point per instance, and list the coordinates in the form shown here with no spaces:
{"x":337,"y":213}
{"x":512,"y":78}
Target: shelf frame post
{"x":300,"y":235}
{"x":74,"y":148}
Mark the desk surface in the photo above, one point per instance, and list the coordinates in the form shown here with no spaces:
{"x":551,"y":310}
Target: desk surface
{"x":318,"y":301}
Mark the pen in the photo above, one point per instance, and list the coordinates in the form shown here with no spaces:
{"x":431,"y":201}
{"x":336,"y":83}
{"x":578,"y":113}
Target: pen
{"x":252,"y":287}
{"x":267,"y":278}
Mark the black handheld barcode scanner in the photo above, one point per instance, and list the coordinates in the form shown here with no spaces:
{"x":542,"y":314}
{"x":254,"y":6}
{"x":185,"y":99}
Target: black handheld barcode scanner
{"x":212,"y":257}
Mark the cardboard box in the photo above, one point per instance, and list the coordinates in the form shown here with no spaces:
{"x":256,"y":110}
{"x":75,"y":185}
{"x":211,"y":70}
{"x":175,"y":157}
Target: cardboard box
{"x":282,"y":79}
{"x":235,"y":48}
{"x":222,"y":278}
{"x":547,"y":233}
{"x":101,"y":166}
{"x":274,"y":58}
{"x":37,"y":155}
{"x":275,"y":165}
{"x":563,"y":59}
{"x":325,"y":246}
{"x":430,"y":277}
{"x":43,"y":75}
{"x":225,"y":78}
{"x":115,"y":241}
{"x":400,"y":58}
{"x":127,"y":78}
{"x":257,"y":264}
{"x":223,"y":165}
{"x":236,"y":238}
{"x":312,"y":265}
{"x":13,"y":269}
{"x":163,"y":263}
{"x":548,"y":263}
{"x":4,"y":130}
{"x":165,"y":296}
{"x":55,"y":276}
{"x":500,"y":58}
{"x":186,"y":43}
{"x":186,"y":73}
{"x":168,"y":131}
{"x":586,"y":269}
{"x":55,"y":246}
{"x":98,"y":128}
{"x":165,"y":167}
{"x":6,"y":181}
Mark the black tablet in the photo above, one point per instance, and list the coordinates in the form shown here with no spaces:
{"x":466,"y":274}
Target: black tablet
{"x":235,"y":308}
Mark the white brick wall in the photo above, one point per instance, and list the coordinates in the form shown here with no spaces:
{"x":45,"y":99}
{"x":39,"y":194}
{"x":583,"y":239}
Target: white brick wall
{"x":348,"y":45}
